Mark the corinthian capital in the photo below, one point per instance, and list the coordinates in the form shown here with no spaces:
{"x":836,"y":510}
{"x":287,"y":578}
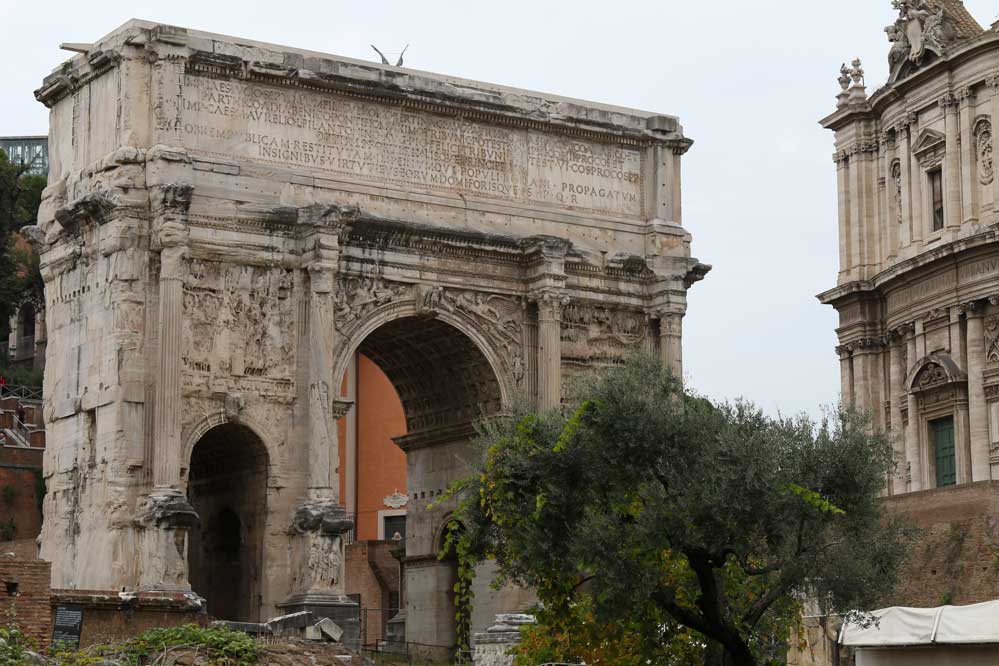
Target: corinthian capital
{"x":550,"y":304}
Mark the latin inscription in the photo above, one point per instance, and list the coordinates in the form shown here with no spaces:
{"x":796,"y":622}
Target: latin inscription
{"x":980,"y":268}
{"x":921,"y":290}
{"x":369,"y":141}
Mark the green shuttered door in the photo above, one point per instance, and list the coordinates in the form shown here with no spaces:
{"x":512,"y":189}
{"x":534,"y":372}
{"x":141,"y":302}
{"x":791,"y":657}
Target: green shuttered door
{"x":942,"y":431}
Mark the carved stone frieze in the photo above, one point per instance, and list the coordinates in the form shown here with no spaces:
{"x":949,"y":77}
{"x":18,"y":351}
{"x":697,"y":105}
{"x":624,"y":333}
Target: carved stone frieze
{"x":595,"y":333}
{"x":358,"y":296}
{"x":983,"y":150}
{"x":236,"y":320}
{"x":992,"y":339}
{"x":396,"y":500}
{"x":500,"y":318}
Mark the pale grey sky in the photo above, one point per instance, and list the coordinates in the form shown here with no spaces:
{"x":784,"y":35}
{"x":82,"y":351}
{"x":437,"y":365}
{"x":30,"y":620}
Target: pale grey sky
{"x":749,"y":81}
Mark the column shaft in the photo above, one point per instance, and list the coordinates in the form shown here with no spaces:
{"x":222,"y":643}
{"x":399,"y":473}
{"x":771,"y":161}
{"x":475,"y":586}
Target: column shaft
{"x":670,"y":347}
{"x":977,"y":407}
{"x":896,"y":395}
{"x":969,"y":177}
{"x":549,"y":352}
{"x":323,"y":441}
{"x":952,"y":166}
{"x":912,"y":453}
{"x":166,"y":452}
{"x":993,"y":82}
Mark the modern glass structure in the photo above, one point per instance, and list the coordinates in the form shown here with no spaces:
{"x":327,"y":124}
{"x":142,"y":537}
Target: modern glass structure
{"x":30,"y":150}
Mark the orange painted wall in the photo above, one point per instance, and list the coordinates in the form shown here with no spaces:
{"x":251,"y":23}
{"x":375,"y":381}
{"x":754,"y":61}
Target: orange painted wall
{"x":381,"y":465}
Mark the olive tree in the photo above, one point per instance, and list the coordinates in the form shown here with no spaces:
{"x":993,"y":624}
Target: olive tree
{"x":679,"y":515}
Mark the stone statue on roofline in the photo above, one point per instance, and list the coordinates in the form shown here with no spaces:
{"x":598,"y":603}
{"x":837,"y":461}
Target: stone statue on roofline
{"x":918,"y":30}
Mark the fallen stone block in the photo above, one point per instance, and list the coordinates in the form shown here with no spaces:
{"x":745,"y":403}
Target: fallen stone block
{"x":330,"y":629}
{"x":252,"y":628}
{"x":293,"y":623}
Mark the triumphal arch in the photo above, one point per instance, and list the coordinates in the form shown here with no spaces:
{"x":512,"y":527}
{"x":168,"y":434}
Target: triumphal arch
{"x":228,"y":221}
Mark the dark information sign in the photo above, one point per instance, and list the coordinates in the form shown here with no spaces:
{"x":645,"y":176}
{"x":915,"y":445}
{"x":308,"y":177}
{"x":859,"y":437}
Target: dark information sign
{"x":68,"y":623}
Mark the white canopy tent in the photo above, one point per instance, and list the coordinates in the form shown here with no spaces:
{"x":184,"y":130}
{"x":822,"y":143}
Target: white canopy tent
{"x":944,"y":636}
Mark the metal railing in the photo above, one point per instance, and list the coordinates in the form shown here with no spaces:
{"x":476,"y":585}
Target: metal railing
{"x":393,"y":653}
{"x":21,"y":430}
{"x":33,"y":393}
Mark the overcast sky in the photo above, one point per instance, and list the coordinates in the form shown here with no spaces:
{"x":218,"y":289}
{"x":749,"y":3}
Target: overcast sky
{"x":749,"y":81}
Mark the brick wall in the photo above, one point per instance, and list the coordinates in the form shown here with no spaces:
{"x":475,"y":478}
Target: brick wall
{"x":956,"y":559}
{"x":24,"y":590}
{"x":19,"y":469}
{"x":372,"y":573}
{"x":109,"y":616}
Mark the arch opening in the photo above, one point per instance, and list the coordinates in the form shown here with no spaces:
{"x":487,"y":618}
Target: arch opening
{"x":227,"y":486}
{"x":441,"y":377}
{"x":446,"y":377}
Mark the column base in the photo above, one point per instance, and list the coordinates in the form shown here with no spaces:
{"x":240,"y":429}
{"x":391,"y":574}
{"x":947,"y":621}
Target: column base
{"x":164,"y":518}
{"x":343,"y":610}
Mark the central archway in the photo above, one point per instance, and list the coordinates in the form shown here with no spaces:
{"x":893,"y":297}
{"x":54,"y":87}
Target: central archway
{"x":446,"y":378}
{"x":227,"y":487}
{"x":439,"y":373}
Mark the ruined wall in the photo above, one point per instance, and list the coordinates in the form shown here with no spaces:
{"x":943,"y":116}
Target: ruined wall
{"x":372,"y":574}
{"x":956,"y":559}
{"x":20,"y":503}
{"x":24,"y":596}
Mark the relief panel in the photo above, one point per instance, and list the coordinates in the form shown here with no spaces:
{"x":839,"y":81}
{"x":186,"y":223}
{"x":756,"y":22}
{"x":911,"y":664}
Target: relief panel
{"x":239,"y":321}
{"x":597,"y":334}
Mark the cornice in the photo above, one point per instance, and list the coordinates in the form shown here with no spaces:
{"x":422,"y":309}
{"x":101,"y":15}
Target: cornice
{"x":879,"y":100}
{"x":902,"y":269}
{"x":419,"y":91}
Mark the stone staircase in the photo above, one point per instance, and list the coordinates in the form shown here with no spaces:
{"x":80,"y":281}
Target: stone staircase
{"x":29,"y":433}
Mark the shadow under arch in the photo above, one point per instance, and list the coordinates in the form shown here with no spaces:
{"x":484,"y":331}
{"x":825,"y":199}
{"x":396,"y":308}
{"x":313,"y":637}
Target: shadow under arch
{"x":444,"y":371}
{"x":227,"y":486}
{"x":447,"y":375}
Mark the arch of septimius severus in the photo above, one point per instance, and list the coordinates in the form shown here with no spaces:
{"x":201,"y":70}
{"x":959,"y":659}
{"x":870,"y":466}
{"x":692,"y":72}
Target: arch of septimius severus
{"x":228,"y":221}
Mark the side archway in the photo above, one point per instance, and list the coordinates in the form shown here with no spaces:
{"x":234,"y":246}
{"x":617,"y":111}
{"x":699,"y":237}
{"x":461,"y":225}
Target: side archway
{"x":227,"y":486}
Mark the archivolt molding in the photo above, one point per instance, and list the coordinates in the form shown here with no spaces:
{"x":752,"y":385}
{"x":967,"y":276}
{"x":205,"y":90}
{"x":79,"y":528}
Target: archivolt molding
{"x":351,"y":339}
{"x":194,"y":432}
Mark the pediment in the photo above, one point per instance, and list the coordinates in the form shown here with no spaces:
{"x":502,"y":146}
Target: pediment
{"x":935,"y":371}
{"x":928,"y":140}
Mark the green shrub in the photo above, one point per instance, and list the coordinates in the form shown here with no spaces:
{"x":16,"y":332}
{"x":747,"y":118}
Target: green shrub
{"x":14,"y":646}
{"x":222,"y":647}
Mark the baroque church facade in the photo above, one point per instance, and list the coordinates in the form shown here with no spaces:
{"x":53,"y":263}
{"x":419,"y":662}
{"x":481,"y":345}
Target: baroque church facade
{"x":918,"y":285}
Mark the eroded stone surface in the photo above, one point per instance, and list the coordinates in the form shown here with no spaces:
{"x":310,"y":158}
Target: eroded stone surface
{"x":227,"y":222}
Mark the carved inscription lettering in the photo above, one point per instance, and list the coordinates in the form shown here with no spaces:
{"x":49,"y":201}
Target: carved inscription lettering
{"x":335,"y":135}
{"x":979,"y":268}
{"x":921,"y":290}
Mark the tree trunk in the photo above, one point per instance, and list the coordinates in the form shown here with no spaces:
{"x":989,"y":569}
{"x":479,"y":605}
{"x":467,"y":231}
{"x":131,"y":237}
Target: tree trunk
{"x":737,"y":653}
{"x":714,"y":654}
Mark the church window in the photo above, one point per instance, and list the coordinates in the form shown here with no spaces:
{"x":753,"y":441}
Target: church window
{"x":936,"y":196}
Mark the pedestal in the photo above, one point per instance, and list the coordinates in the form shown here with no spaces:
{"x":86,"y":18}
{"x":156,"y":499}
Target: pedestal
{"x":492,"y":646}
{"x":322,"y":524}
{"x":164,"y":519}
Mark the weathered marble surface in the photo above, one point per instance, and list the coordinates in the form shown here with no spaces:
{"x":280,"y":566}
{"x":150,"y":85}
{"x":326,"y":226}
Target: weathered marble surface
{"x":227,"y":221}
